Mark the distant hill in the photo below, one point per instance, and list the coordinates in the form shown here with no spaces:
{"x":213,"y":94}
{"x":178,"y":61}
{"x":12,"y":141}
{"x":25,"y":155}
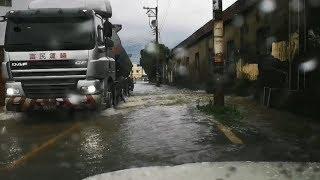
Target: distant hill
{"x":134,"y":50}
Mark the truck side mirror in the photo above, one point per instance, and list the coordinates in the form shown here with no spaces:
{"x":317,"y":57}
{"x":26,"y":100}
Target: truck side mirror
{"x":102,"y":49}
{"x":117,"y":27}
{"x":3,"y":19}
{"x":109,"y":43}
{"x":107,"y":29}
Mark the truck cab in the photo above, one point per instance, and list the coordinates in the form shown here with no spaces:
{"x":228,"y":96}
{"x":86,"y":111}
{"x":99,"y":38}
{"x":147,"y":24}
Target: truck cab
{"x":59,"y":57}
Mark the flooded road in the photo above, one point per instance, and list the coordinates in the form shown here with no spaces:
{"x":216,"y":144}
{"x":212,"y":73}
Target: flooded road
{"x":157,"y":126}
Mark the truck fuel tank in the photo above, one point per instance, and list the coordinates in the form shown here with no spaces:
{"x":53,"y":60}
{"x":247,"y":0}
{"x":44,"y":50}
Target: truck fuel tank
{"x":101,"y":68}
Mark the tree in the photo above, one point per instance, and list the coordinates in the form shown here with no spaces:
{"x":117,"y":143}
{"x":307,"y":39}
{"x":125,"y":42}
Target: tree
{"x":149,"y":57}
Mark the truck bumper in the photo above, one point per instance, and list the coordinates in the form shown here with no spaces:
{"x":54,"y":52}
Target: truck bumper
{"x":22,"y":104}
{"x":17,"y":101}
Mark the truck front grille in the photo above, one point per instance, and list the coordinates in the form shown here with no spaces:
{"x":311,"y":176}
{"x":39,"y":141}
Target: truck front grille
{"x":49,"y":79}
{"x":49,"y":89}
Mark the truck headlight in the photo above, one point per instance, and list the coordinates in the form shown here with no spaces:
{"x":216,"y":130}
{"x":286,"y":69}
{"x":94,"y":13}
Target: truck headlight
{"x":92,"y":89}
{"x":12,"y":92}
{"x":88,"y":89}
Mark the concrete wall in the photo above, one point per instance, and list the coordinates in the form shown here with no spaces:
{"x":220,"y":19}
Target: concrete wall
{"x":137,"y":72}
{"x":196,"y":73}
{"x":199,"y":74}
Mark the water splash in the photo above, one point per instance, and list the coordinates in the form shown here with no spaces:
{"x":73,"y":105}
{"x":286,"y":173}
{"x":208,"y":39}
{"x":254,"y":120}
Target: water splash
{"x":309,"y":66}
{"x":238,"y":21}
{"x":180,"y":53}
{"x":268,"y":6}
{"x":296,"y":5}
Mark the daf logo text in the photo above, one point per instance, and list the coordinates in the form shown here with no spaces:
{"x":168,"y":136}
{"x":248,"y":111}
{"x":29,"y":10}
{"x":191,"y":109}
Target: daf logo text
{"x":19,"y":64}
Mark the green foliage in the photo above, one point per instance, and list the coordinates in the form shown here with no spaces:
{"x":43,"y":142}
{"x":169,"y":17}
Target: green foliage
{"x":149,"y":57}
{"x":225,"y":114}
{"x":243,"y":87}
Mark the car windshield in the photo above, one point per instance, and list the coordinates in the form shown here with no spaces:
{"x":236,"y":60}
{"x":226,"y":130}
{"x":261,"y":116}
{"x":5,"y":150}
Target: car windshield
{"x":27,"y":34}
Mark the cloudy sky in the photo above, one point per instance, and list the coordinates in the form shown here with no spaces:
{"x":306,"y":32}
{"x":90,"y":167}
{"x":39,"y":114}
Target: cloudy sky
{"x":178,"y":19}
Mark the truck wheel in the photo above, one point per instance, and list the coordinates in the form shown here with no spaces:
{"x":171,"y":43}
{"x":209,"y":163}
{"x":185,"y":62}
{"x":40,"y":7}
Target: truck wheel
{"x":115,"y":96}
{"x":123,"y":95}
{"x":128,"y":90}
{"x":109,"y":98}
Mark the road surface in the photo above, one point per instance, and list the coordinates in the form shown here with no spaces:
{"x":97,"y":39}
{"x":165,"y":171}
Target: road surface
{"x":157,"y":126}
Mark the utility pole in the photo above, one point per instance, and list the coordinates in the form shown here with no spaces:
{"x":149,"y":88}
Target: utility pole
{"x":218,"y":65}
{"x":153,"y":12}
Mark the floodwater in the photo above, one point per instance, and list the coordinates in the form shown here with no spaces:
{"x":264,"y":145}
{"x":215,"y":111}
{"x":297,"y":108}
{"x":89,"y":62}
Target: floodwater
{"x":157,"y":126}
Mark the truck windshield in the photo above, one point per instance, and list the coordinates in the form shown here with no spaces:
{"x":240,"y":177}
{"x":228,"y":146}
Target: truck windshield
{"x":41,"y":34}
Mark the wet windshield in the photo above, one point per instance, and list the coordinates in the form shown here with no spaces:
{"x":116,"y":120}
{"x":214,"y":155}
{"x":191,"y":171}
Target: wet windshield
{"x":27,"y":34}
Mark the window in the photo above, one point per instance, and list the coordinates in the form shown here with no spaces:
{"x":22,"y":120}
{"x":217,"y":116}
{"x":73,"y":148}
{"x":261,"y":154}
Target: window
{"x":243,"y":32}
{"x":26,"y":34}
{"x":211,"y":56}
{"x":231,"y":53}
{"x":178,"y":62}
{"x":263,"y":46}
{"x":100,"y":37}
{"x":197,"y":59}
{"x":187,"y":62}
{"x":6,"y":3}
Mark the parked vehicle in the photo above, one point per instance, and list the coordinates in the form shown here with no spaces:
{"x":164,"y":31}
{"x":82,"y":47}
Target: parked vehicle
{"x":59,"y":56}
{"x":145,"y":78}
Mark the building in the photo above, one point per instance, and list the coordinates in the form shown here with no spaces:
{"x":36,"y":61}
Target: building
{"x":249,"y":32}
{"x":138,"y":73}
{"x":265,"y":43}
{"x":192,"y":57}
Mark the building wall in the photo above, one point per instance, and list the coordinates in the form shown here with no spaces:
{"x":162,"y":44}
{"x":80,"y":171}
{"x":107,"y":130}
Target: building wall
{"x":194,"y":72}
{"x":137,"y":72}
{"x":258,"y":35}
{"x":199,"y":70}
{"x":274,"y":26}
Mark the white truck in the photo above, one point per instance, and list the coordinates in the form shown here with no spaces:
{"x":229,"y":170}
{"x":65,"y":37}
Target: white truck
{"x":60,"y":54}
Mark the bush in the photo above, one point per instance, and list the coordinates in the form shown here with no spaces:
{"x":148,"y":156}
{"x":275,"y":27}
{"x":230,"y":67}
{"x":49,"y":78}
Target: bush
{"x":243,"y":87}
{"x":225,"y":114}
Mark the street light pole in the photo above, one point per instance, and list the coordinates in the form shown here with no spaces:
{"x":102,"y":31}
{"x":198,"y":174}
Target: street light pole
{"x":157,"y":26}
{"x":218,"y":43}
{"x":154,"y":13}
{"x":158,"y":48}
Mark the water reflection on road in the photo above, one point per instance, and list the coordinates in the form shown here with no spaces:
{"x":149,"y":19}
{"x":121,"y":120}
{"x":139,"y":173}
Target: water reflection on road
{"x":156,"y":126}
